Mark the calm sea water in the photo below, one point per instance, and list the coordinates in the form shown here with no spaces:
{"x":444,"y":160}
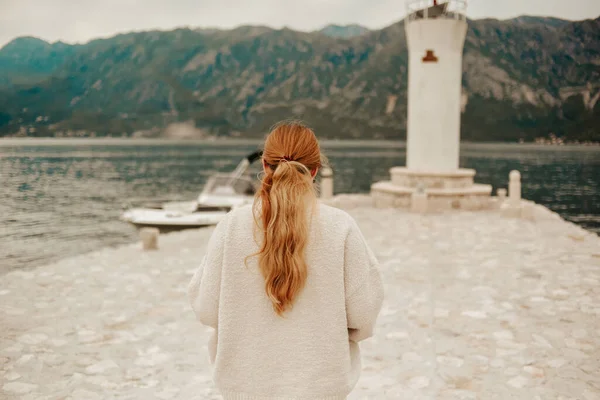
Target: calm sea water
{"x":61,"y":198}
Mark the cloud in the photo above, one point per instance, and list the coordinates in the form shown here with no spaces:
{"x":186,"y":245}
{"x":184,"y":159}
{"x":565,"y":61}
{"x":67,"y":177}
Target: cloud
{"x":82,"y":20}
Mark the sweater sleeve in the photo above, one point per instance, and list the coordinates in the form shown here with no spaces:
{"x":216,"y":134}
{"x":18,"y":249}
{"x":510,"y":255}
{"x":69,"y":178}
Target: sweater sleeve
{"x":364,"y":288}
{"x":205,"y":286}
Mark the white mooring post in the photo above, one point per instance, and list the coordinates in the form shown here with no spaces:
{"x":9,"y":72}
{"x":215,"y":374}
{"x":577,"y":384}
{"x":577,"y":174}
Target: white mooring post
{"x":501,"y":193}
{"x":514,"y":188}
{"x":149,"y":238}
{"x":326,"y":183}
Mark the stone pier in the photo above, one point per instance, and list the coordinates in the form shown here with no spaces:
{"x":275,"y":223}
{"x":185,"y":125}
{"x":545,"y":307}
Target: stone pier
{"x":477,"y":306}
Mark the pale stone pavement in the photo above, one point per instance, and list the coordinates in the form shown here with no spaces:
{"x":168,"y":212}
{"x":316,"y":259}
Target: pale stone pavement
{"x":477,"y":307}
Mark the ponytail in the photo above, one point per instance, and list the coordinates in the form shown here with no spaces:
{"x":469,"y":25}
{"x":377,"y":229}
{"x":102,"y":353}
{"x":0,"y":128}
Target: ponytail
{"x":281,"y":211}
{"x":284,"y":206}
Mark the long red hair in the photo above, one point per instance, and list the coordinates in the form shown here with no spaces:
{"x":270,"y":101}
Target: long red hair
{"x":291,"y":157}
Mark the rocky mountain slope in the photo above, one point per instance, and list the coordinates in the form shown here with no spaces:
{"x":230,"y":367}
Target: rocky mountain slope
{"x":523,"y":78}
{"x":28,"y":59}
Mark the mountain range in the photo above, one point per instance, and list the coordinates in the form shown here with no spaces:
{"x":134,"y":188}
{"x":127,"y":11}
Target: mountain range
{"x":523,"y":78}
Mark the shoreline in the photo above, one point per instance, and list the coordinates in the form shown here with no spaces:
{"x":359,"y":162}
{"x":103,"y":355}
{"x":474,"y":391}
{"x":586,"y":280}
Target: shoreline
{"x":476,"y":306}
{"x":398,"y":144}
{"x":339,"y":200}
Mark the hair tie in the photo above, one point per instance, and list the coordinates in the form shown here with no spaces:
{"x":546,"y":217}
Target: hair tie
{"x":286,"y":158}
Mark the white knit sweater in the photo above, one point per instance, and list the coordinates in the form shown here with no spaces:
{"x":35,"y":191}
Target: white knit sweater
{"x":310,"y":353}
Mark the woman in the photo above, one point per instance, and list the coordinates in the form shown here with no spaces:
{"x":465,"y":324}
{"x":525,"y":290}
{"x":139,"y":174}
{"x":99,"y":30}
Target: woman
{"x":288,"y":284}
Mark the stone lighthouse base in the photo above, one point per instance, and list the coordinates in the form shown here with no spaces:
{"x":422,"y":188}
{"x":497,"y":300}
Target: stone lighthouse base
{"x":445,"y":190}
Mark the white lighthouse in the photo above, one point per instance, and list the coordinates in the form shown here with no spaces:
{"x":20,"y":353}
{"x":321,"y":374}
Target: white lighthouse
{"x":435,"y":31}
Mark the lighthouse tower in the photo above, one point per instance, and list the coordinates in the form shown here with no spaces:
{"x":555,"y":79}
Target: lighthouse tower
{"x":435,"y":31}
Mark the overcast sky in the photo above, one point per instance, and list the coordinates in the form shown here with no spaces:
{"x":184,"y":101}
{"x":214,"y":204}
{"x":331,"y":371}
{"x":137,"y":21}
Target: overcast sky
{"x":81,"y":20}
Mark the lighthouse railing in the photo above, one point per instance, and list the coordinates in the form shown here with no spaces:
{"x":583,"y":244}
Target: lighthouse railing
{"x":430,"y":9}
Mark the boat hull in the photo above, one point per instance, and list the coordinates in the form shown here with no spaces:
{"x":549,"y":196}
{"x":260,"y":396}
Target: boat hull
{"x":167,"y":228}
{"x":168,"y":220}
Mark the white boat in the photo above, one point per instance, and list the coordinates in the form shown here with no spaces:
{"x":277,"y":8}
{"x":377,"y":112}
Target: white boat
{"x":171,"y":220}
{"x":221,"y":193}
